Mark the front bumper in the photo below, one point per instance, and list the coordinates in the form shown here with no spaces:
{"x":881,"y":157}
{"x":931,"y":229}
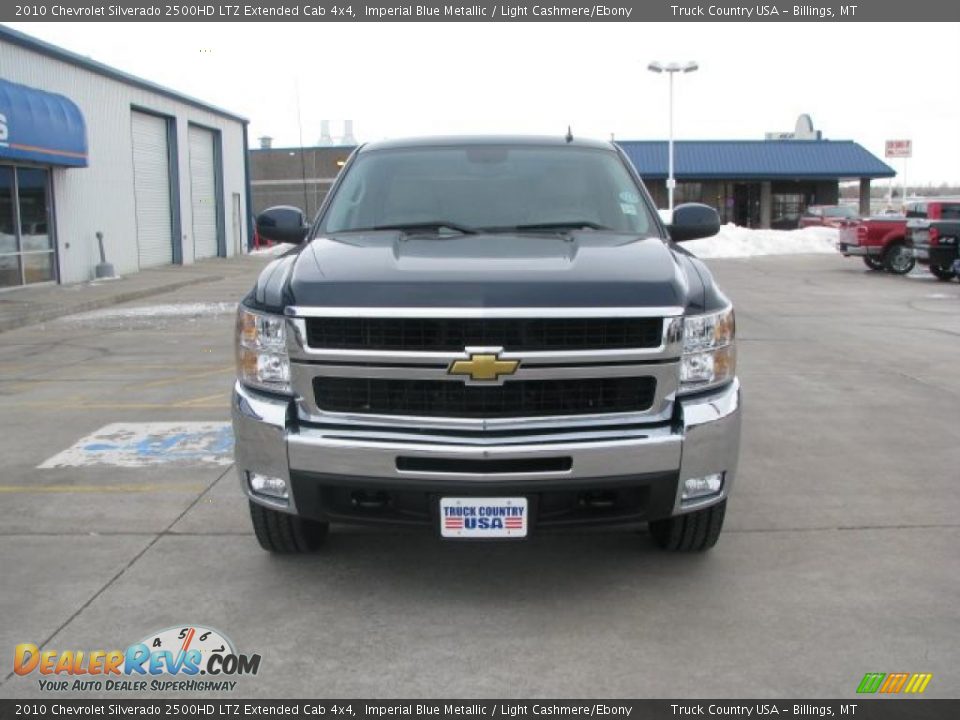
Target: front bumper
{"x":591,"y":476}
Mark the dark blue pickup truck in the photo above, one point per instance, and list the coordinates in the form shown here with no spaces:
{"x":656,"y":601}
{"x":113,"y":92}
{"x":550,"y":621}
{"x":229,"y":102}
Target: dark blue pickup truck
{"x":487,"y":337}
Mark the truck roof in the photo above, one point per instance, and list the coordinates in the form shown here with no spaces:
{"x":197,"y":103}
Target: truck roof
{"x":473,"y":140}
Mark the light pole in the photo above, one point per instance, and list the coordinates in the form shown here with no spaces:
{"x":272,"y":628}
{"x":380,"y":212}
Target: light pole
{"x":671,"y":69}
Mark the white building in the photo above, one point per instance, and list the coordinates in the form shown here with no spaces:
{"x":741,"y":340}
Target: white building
{"x":87,"y":149}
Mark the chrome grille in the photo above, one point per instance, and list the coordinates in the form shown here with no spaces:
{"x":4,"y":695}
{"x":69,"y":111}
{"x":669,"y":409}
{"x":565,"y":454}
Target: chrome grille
{"x":517,"y":398}
{"x":513,"y":334}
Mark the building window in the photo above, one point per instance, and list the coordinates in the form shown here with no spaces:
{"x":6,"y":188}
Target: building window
{"x":686,"y":192}
{"x":786,"y":211}
{"x":26,"y":242}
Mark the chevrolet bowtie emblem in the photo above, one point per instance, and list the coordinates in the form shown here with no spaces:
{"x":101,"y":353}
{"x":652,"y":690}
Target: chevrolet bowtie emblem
{"x":483,"y":366}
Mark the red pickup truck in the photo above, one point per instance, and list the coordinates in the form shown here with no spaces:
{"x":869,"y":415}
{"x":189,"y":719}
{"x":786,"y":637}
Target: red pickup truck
{"x":881,"y":241}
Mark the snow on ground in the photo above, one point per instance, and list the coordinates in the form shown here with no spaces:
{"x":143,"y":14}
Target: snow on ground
{"x":169,"y":310}
{"x":278,"y":249}
{"x":734,"y":241}
{"x":153,"y":316}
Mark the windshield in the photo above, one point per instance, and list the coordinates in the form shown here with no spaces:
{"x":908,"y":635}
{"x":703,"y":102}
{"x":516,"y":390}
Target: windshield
{"x":489,"y":188}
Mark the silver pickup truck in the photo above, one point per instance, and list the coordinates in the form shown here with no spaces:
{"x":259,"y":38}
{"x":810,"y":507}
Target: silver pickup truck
{"x":487,"y":337}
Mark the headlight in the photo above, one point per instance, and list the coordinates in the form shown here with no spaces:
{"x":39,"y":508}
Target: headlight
{"x":262,"y":360}
{"x":709,"y":353}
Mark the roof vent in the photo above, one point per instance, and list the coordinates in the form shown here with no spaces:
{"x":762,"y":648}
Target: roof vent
{"x":266,"y":142}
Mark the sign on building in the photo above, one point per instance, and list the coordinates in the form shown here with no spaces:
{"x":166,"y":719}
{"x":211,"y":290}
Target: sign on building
{"x":899,"y":148}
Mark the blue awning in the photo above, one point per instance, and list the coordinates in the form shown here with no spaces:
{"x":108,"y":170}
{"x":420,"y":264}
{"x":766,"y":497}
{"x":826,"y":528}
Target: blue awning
{"x":40,"y":127}
{"x":756,"y":159}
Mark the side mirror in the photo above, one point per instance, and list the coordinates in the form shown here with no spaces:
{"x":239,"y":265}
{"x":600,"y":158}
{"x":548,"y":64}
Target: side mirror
{"x":283,"y":224}
{"x":692,"y":221}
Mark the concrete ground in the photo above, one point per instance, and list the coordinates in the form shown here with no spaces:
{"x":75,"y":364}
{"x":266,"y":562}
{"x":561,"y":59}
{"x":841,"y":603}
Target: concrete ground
{"x":840,"y":554}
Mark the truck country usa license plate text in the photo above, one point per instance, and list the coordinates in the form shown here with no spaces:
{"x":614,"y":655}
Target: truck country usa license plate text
{"x":483,"y":517}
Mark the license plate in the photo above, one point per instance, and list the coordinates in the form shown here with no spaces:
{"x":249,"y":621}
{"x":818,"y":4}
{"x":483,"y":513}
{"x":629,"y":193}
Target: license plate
{"x":471,"y":517}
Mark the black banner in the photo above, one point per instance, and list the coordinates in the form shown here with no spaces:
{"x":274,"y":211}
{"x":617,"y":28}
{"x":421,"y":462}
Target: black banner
{"x":856,"y":709}
{"x":542,"y":11}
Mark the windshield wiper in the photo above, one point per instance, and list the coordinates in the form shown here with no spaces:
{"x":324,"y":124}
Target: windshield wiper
{"x":565,"y":225}
{"x":436,"y":225}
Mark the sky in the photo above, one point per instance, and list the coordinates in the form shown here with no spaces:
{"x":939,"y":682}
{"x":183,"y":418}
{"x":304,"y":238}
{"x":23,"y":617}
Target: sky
{"x":406,"y":79}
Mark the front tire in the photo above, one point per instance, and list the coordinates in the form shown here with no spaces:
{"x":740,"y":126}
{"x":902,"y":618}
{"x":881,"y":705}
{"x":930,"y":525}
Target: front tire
{"x":872,"y":262}
{"x":898,"y":259}
{"x":942,"y":273}
{"x":283,"y":533}
{"x":692,"y":532}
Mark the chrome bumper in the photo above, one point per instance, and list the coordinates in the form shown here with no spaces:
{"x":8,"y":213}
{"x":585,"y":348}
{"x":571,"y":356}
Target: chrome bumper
{"x":705,"y":441}
{"x":859,"y":250}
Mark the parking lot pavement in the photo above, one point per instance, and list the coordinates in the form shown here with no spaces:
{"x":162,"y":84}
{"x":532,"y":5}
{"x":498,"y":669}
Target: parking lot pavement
{"x":839,"y":556}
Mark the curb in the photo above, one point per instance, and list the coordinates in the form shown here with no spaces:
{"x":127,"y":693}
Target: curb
{"x":41,"y":315}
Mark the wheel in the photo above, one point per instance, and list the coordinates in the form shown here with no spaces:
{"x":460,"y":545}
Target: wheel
{"x":872,"y":262}
{"x":280,"y":532}
{"x":898,"y":259}
{"x":692,"y":532}
{"x":942,"y":273}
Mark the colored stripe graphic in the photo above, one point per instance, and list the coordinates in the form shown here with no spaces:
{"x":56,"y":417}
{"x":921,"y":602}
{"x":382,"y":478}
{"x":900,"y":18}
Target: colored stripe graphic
{"x":871,"y":682}
{"x":913,"y":683}
{"x":918,"y":682}
{"x":894,"y":683}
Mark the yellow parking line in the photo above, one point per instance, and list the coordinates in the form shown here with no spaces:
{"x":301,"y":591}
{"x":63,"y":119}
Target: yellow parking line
{"x":169,"y":487}
{"x":115,"y":406}
{"x":200,"y":401}
{"x":26,"y":385}
{"x":181,"y":378}
{"x":31,"y":384}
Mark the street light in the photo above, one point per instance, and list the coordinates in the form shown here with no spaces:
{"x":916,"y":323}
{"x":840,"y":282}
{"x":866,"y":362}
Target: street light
{"x":671,"y":69}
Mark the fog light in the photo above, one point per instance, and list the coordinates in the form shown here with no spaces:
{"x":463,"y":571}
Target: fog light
{"x":267,"y":485}
{"x":700,"y":487}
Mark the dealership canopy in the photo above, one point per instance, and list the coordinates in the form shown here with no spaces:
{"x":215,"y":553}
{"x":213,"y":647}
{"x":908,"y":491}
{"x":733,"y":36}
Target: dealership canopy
{"x":40,"y":127}
{"x":757,"y":159}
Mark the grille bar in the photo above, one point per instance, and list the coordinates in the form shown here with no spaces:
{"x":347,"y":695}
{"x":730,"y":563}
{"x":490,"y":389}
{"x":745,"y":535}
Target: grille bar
{"x":513,"y":334}
{"x":489,"y":467}
{"x":516,"y":398}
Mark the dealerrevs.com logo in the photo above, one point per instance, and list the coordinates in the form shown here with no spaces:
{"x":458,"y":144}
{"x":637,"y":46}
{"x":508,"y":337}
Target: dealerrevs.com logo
{"x":186,"y":658}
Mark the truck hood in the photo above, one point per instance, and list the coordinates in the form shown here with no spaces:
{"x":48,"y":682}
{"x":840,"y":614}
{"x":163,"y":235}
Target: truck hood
{"x":581,"y":269}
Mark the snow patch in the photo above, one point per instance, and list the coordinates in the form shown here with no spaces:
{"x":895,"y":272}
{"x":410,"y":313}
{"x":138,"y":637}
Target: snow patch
{"x":169,"y":310}
{"x":278,"y":249}
{"x":733,"y":242}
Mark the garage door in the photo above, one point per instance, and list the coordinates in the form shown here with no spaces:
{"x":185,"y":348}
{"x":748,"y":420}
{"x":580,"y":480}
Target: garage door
{"x":203,"y":192}
{"x":151,"y":186}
